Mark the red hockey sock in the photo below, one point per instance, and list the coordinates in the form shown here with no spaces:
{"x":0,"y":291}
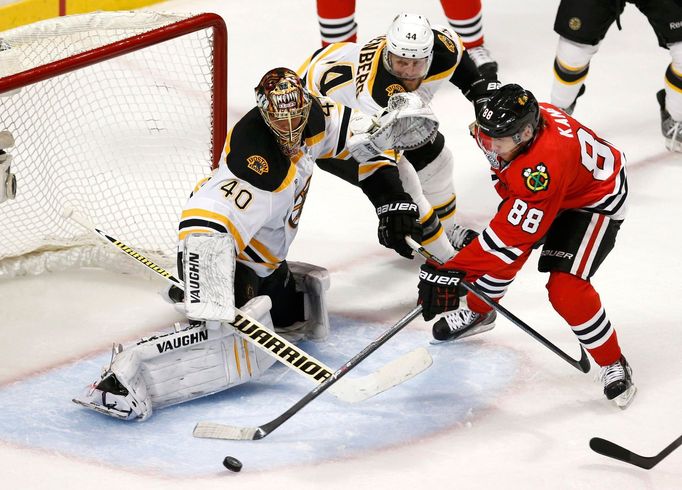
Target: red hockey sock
{"x":578,"y":303}
{"x":465,"y":18}
{"x":337,"y":21}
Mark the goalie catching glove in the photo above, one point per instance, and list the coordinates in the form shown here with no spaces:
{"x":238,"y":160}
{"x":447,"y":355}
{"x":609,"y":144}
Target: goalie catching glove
{"x":397,"y":219}
{"x":438,"y":290}
{"x":8,"y":181}
{"x":406,"y":124}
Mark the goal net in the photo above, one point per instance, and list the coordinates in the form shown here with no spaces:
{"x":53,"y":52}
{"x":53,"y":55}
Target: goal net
{"x":116,"y":115}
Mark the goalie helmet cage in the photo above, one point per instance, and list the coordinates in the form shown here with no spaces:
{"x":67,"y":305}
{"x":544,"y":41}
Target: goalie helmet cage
{"x":116,"y":115}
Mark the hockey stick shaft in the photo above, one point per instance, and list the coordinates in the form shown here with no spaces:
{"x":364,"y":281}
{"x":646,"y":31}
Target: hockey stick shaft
{"x":352,"y":391}
{"x":582,"y":364}
{"x":218,"y":431}
{"x":613,"y":450}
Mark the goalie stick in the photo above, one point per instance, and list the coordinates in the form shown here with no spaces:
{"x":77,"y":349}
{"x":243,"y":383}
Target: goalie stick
{"x":351,"y":390}
{"x":612,"y":450}
{"x":212,"y":430}
{"x":582,"y":364}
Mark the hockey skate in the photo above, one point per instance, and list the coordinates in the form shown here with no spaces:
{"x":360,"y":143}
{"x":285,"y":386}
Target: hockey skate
{"x":459,"y":236}
{"x":671,"y":129}
{"x":618,"y":385}
{"x":462,"y":323}
{"x":110,"y":397}
{"x":569,"y":110}
{"x":486,"y":65}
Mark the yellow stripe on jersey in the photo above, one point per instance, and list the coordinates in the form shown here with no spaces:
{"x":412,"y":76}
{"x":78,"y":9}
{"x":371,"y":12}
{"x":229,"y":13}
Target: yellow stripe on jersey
{"x":366,"y":168}
{"x":202,"y":213}
{"x":227,"y":140}
{"x":343,"y":155}
{"x":290,"y":174}
{"x":264,"y":252}
{"x":202,"y":182}
{"x":375,"y":67}
{"x":313,"y":140}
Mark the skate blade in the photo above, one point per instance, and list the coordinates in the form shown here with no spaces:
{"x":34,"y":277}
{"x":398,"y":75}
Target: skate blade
{"x":468,"y":333}
{"x":624,"y":400}
{"x":100,"y":409}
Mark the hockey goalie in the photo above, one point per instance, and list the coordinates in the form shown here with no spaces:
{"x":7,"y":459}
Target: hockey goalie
{"x":234,"y":236}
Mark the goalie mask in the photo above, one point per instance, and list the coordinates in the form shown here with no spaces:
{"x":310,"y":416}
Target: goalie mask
{"x":285,"y":105}
{"x":409,"y":47}
{"x":506,"y":124}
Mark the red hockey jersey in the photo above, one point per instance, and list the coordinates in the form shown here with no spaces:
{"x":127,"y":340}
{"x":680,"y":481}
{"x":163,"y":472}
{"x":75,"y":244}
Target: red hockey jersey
{"x":567,"y":166}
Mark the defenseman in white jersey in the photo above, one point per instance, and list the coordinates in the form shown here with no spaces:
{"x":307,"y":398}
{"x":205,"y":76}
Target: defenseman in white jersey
{"x":412,"y":57}
{"x":234,"y":236}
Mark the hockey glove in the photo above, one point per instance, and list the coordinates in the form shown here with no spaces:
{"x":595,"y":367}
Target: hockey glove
{"x":398,"y":219}
{"x":438,"y":290}
{"x":480,"y":92}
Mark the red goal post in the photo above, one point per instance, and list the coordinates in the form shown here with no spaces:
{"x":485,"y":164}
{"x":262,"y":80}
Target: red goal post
{"x":116,"y":115}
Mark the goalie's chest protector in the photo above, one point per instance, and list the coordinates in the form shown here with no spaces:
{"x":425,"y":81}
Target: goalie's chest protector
{"x":258,"y":194}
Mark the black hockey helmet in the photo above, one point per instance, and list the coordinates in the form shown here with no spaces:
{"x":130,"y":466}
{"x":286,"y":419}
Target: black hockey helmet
{"x":508,"y":112}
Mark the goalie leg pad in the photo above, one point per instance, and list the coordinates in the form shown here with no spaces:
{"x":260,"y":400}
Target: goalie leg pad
{"x":179,"y":366}
{"x":208,"y":265}
{"x":313,"y":282}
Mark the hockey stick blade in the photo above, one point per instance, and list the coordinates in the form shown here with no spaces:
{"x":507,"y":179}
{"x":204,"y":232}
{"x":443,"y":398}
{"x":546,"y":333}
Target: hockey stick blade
{"x":389,"y":375}
{"x":612,"y":450}
{"x":212,"y":430}
{"x":582,"y":364}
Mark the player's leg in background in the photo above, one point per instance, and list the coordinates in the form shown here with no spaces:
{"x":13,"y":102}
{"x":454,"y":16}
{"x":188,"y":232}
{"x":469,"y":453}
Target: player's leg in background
{"x":434,"y":164}
{"x":466,"y":18}
{"x":434,"y":239}
{"x":665,"y":17}
{"x":575,"y":247}
{"x":337,"y":21}
{"x":581,"y":25}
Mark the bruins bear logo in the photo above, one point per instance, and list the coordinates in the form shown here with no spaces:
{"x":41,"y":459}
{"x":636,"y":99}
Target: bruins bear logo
{"x":258,"y":164}
{"x":394,"y":88}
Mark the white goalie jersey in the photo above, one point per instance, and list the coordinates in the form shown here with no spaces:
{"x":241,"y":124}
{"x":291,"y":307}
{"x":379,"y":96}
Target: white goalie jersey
{"x":257,"y":194}
{"x":354,"y":74}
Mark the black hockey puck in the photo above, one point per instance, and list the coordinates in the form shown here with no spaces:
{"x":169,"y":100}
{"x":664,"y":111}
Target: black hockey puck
{"x":232,"y":464}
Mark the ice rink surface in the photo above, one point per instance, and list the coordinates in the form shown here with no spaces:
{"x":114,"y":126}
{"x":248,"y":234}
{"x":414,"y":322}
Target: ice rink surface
{"x":495,"y":411}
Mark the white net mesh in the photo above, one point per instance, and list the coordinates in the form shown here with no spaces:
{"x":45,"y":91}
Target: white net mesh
{"x":122,"y":141}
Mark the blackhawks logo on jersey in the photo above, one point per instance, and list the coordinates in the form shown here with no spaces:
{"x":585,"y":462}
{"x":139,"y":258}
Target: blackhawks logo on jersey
{"x":394,"y":88}
{"x":258,"y":164}
{"x":538,"y":179}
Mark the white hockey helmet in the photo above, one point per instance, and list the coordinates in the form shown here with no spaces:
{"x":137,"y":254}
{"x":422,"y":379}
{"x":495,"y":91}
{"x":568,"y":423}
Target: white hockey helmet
{"x":409,"y":38}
